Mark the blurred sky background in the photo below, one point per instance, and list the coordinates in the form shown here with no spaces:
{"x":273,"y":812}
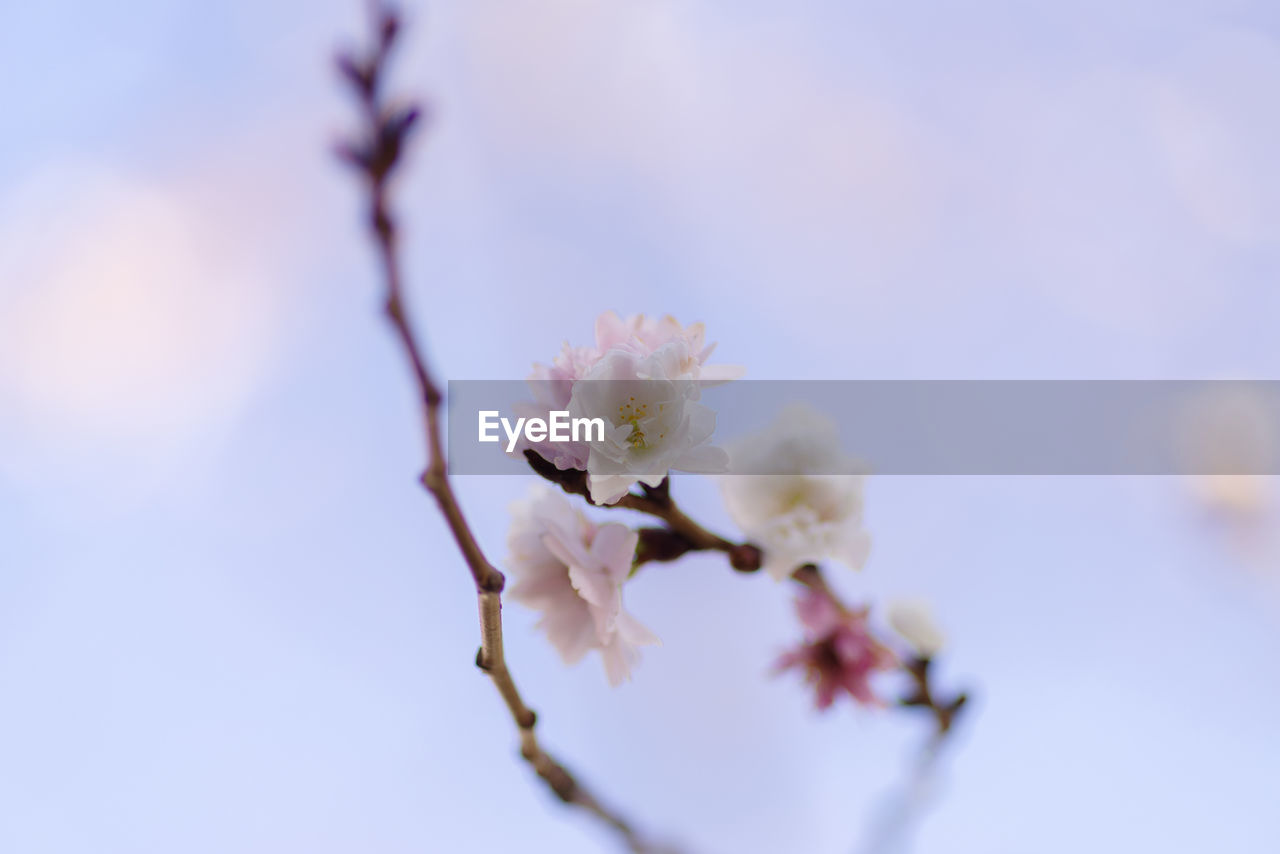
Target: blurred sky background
{"x":230,"y":621}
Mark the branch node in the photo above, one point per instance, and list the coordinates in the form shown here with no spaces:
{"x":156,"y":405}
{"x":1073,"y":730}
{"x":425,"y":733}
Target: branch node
{"x":660,"y":494}
{"x":494,"y":581}
{"x":432,"y":478}
{"x":745,"y":558}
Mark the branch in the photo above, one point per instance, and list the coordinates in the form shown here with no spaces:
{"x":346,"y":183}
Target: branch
{"x":682,"y":535}
{"x":375,"y":157}
{"x":923,"y":695}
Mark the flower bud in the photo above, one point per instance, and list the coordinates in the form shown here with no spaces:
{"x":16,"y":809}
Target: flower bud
{"x":913,"y":621}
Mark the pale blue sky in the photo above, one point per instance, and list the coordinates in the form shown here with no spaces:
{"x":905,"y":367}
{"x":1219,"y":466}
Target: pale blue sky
{"x":231,"y":622}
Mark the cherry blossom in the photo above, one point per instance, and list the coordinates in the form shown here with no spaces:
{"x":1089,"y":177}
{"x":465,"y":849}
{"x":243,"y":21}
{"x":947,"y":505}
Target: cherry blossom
{"x":645,"y":336}
{"x":654,"y":422}
{"x":644,"y":377}
{"x":839,"y":653}
{"x":572,"y":570}
{"x":790,"y":491}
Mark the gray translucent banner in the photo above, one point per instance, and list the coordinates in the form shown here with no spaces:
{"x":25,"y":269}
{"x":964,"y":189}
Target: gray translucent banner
{"x":951,"y":427}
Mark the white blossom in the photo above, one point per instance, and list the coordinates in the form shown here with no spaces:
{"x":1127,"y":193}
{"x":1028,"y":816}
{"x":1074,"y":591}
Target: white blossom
{"x":790,"y":490}
{"x":654,"y":422}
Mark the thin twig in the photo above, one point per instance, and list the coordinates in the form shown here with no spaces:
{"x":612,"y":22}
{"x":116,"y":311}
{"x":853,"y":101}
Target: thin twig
{"x":375,"y":157}
{"x":682,"y":535}
{"x":925,"y":696}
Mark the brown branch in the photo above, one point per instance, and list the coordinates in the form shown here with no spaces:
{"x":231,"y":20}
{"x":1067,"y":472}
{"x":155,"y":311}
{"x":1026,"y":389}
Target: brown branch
{"x":677,"y":520}
{"x":375,"y":157}
{"x":924,"y":696}
{"x":682,"y":533}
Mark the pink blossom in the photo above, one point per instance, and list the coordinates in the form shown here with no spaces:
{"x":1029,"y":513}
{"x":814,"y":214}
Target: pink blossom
{"x":839,"y":652}
{"x":645,"y":336}
{"x":637,"y":348}
{"x":572,"y":570}
{"x":552,"y":387}
{"x":638,"y":335}
{"x":553,"y":384}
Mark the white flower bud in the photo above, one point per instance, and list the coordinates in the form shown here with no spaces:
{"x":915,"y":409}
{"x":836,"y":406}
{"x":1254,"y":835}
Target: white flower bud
{"x":912,"y":619}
